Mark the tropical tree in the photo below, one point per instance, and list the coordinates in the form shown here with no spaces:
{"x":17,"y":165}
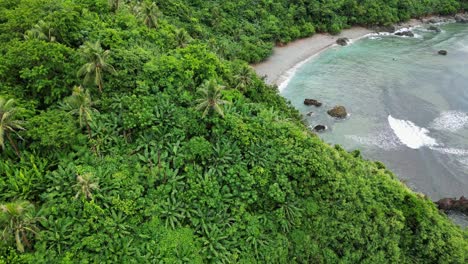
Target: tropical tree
{"x":182,"y":38}
{"x":8,"y":123}
{"x":18,"y":221}
{"x":81,"y":105}
{"x":210,"y":98}
{"x":243,"y":78}
{"x":85,"y":185}
{"x":42,"y":31}
{"x":96,"y":64}
{"x":149,"y":13}
{"x":114,"y":5}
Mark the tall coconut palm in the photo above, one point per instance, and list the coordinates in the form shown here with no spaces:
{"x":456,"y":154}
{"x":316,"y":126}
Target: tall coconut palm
{"x":243,"y":78}
{"x":210,"y":98}
{"x":81,"y":105}
{"x":96,"y":64}
{"x":8,"y":123}
{"x":149,"y":13}
{"x":42,"y":31}
{"x":17,"y":221}
{"x":85,"y":186}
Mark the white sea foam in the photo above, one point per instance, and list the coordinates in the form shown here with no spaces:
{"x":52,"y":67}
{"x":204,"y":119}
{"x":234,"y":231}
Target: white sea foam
{"x":385,"y":140}
{"x":452,"y":151}
{"x":451,"y":121}
{"x":410,"y":134}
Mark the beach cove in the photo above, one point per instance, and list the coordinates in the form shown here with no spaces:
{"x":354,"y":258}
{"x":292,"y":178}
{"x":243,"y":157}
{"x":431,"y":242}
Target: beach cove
{"x":406,"y":103}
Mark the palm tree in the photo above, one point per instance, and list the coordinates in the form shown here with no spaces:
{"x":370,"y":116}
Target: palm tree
{"x":42,"y":31}
{"x":85,"y":185}
{"x":8,"y":123}
{"x":114,"y":5}
{"x":17,"y":220}
{"x":149,"y":13}
{"x":80,"y":104}
{"x":96,"y":64}
{"x":182,"y":38}
{"x":243,"y":78}
{"x":210,"y":99}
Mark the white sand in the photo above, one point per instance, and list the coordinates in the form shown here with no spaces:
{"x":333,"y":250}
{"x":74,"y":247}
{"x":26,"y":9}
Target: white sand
{"x":277,"y":68}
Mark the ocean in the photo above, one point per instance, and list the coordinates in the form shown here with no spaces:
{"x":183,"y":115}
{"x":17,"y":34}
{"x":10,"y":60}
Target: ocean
{"x":407,"y":105}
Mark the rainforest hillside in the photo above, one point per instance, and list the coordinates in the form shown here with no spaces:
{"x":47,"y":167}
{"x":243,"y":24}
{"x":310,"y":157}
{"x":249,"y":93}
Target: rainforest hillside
{"x":136,"y":132}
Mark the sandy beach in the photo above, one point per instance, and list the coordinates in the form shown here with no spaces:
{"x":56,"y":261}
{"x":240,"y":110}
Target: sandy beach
{"x":277,"y":68}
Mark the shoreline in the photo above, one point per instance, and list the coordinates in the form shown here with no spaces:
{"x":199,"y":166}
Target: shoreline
{"x":280,"y":67}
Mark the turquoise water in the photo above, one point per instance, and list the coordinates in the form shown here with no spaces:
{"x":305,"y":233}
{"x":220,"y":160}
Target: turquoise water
{"x":408,"y":106}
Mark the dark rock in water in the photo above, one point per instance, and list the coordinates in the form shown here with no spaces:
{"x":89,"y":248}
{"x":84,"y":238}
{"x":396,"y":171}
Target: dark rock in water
{"x":312,"y":102}
{"x":310,"y":113}
{"x":442,"y":52}
{"x":406,"y":33}
{"x":342,"y":41}
{"x":338,"y":112}
{"x":454,"y":204}
{"x":461,"y":18}
{"x":434,"y":28}
{"x":320,"y":128}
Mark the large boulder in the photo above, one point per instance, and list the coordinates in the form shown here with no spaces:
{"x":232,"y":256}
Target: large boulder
{"x":320,"y":128}
{"x":338,"y":112}
{"x":342,"y":41}
{"x":453,"y":204}
{"x":312,"y":102}
{"x":442,"y":52}
{"x":405,"y":33}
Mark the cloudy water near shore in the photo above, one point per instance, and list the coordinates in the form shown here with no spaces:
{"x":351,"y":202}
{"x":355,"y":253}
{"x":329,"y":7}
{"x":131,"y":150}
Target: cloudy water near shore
{"x":408,"y":105}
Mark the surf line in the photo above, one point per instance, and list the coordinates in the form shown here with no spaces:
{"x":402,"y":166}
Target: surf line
{"x":411,"y":135}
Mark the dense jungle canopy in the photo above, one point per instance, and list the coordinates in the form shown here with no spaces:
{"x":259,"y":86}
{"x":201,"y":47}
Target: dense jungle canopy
{"x":136,"y":132}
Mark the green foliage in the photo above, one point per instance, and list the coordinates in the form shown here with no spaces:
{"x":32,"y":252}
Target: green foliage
{"x":18,"y":223}
{"x":154,"y":181}
{"x":96,"y":65}
{"x":52,"y":130}
{"x":8,"y":123}
{"x":210,"y":98}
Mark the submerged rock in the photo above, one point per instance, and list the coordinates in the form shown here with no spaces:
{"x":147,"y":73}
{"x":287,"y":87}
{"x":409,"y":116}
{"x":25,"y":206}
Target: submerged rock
{"x":310,"y":113}
{"x":442,"y":52}
{"x":406,"y":33}
{"x":312,"y":102}
{"x":338,"y":112}
{"x":320,"y":128}
{"x":454,"y":204}
{"x":342,"y":41}
{"x":434,"y":28}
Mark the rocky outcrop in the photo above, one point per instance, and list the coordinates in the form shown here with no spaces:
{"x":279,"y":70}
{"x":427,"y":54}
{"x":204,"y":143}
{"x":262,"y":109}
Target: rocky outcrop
{"x":405,"y":33}
{"x":320,"y":128}
{"x":453,"y":204}
{"x":312,"y":102}
{"x":338,"y":112}
{"x":434,"y":28}
{"x":461,"y":18}
{"x":342,"y":41}
{"x":442,"y":52}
